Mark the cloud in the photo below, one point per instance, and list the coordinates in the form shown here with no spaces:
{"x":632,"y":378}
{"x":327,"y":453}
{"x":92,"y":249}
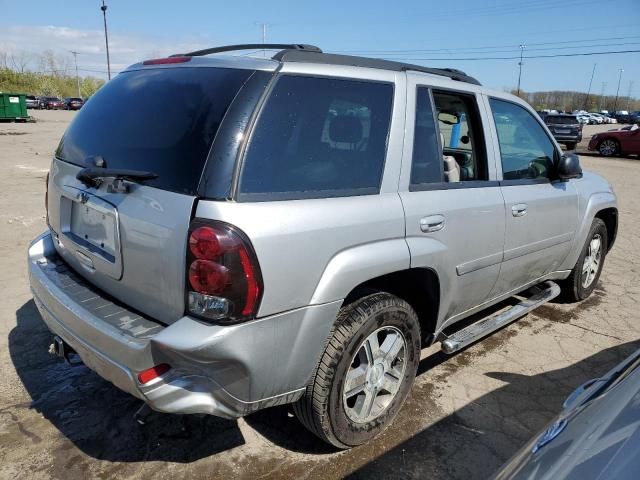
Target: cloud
{"x":124,"y":49}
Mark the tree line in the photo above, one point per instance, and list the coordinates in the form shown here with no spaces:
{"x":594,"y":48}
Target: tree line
{"x":569,"y":101}
{"x":53,"y":76}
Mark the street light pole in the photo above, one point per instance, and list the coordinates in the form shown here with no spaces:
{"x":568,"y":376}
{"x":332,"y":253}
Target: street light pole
{"x":522,"y":47}
{"x":615,"y":104}
{"x":106,"y":37}
{"x":75,"y":58}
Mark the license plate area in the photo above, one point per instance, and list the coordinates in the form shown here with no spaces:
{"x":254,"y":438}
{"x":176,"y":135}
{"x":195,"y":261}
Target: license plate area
{"x":563,"y":130}
{"x":89,"y":234}
{"x":94,"y":227}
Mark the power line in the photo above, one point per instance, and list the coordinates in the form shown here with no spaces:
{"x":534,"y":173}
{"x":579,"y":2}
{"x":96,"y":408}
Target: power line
{"x":582,"y":54}
{"x":487,"y":47}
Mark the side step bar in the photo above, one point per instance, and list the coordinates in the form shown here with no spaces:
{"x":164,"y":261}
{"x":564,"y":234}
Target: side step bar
{"x":484,"y":327}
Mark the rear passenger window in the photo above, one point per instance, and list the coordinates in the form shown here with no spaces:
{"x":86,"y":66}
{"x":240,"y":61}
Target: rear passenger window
{"x":318,"y":137}
{"x":448,"y":144}
{"x":427,"y":166}
{"x":525,"y":149}
{"x":461,"y":137}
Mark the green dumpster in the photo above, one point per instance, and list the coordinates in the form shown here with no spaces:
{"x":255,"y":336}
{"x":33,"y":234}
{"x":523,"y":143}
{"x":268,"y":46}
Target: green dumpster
{"x":13,"y":106}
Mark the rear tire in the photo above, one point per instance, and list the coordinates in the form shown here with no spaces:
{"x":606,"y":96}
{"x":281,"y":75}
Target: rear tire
{"x":377,"y":378}
{"x":586,"y":272}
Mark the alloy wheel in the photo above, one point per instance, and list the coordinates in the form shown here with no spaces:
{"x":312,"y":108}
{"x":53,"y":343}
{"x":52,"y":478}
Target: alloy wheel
{"x":592,"y":261}
{"x":374,"y":375}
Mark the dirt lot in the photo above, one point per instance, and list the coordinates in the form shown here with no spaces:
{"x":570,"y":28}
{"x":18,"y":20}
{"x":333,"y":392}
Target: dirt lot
{"x":466,"y":415}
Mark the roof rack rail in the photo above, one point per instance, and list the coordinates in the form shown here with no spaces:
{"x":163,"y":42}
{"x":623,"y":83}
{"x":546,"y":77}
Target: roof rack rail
{"x":309,"y":56}
{"x":251,"y":46}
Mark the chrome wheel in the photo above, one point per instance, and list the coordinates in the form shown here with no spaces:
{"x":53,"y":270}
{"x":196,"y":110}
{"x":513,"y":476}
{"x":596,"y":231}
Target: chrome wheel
{"x":592,"y":261}
{"x":374,"y":375}
{"x":608,"y":147}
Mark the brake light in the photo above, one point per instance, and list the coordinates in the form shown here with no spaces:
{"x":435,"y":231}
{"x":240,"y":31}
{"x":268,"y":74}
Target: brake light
{"x":224,"y":282}
{"x":166,"y":61}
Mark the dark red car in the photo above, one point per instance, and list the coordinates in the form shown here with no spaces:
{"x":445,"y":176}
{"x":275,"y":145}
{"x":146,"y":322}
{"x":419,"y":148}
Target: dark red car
{"x":52,"y":103}
{"x":624,"y":141}
{"x":73,"y":103}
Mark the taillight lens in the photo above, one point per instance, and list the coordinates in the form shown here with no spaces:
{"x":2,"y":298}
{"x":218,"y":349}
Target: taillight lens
{"x":223,"y":275}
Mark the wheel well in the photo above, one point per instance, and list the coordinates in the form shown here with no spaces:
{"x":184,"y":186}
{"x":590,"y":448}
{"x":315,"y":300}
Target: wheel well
{"x":419,"y":287}
{"x":610,"y":218}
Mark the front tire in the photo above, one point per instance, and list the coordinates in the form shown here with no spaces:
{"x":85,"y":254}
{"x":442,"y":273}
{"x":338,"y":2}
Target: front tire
{"x":609,"y":147}
{"x":586,"y":272}
{"x":365,"y":373}
{"x":570,"y":146}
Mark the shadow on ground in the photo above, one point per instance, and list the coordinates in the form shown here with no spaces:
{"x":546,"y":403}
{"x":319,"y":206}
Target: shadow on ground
{"x":470,"y":443}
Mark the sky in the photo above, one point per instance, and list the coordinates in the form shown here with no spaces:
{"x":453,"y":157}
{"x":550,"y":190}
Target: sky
{"x":473,"y":36}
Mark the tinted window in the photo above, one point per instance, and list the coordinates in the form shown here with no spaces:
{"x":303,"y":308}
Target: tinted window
{"x":318,"y":137}
{"x":461,"y":137}
{"x":159,"y":120}
{"x":525,"y":149}
{"x":427,"y":166}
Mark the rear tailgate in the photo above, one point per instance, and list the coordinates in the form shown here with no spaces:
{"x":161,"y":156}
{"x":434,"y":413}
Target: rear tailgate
{"x":132,"y":244}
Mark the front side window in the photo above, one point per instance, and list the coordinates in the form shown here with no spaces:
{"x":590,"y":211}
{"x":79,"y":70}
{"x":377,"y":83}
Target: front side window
{"x":318,"y":137}
{"x":525,"y":149}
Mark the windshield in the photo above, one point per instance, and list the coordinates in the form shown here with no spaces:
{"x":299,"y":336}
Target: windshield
{"x":158,"y":120}
{"x":558,"y":120}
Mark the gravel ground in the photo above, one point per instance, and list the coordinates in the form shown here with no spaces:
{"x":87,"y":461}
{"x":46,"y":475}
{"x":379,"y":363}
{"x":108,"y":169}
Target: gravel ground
{"x":466,"y":415}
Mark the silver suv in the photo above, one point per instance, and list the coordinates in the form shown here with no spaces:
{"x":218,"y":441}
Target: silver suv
{"x":231,"y":233}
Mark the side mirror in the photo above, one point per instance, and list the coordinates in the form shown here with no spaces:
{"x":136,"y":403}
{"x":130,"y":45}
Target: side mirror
{"x":569,"y":167}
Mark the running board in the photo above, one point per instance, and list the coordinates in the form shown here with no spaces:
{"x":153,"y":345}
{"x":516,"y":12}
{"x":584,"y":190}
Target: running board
{"x":484,"y":327}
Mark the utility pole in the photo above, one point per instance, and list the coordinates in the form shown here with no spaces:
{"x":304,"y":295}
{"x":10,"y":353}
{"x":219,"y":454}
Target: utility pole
{"x":75,"y":58}
{"x":629,"y":95}
{"x":522,"y":47}
{"x":604,"y":86}
{"x":615,"y":104}
{"x":586,"y":100}
{"x":106,"y":37}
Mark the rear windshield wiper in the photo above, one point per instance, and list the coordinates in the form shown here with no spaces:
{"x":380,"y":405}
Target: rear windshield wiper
{"x":94,"y":176}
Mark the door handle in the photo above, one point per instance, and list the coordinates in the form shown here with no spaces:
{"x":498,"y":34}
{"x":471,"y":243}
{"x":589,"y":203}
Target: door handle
{"x":432,"y":223}
{"x":519,"y":210}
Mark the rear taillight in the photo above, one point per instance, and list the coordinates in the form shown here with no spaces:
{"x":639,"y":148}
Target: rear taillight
{"x":224,"y":283}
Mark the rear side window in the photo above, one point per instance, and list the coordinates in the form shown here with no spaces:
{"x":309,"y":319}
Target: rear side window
{"x":159,"y":120}
{"x":318,"y":137}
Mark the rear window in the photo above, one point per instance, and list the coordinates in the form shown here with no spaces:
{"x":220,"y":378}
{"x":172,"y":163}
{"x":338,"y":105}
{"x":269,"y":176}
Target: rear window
{"x":561,"y":120}
{"x":159,"y":120}
{"x":318,"y":137}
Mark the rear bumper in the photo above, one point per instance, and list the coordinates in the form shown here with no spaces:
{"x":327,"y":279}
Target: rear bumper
{"x":225,"y":371}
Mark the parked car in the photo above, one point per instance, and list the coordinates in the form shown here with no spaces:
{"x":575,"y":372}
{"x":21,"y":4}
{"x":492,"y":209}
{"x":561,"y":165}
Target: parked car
{"x":51,"y":103}
{"x":31,"y":101}
{"x":73,"y":103}
{"x":624,"y":141}
{"x":596,"y":435}
{"x":256,"y":232}
{"x":565,"y":128}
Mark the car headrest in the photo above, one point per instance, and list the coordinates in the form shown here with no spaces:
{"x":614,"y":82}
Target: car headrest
{"x":345,"y":129}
